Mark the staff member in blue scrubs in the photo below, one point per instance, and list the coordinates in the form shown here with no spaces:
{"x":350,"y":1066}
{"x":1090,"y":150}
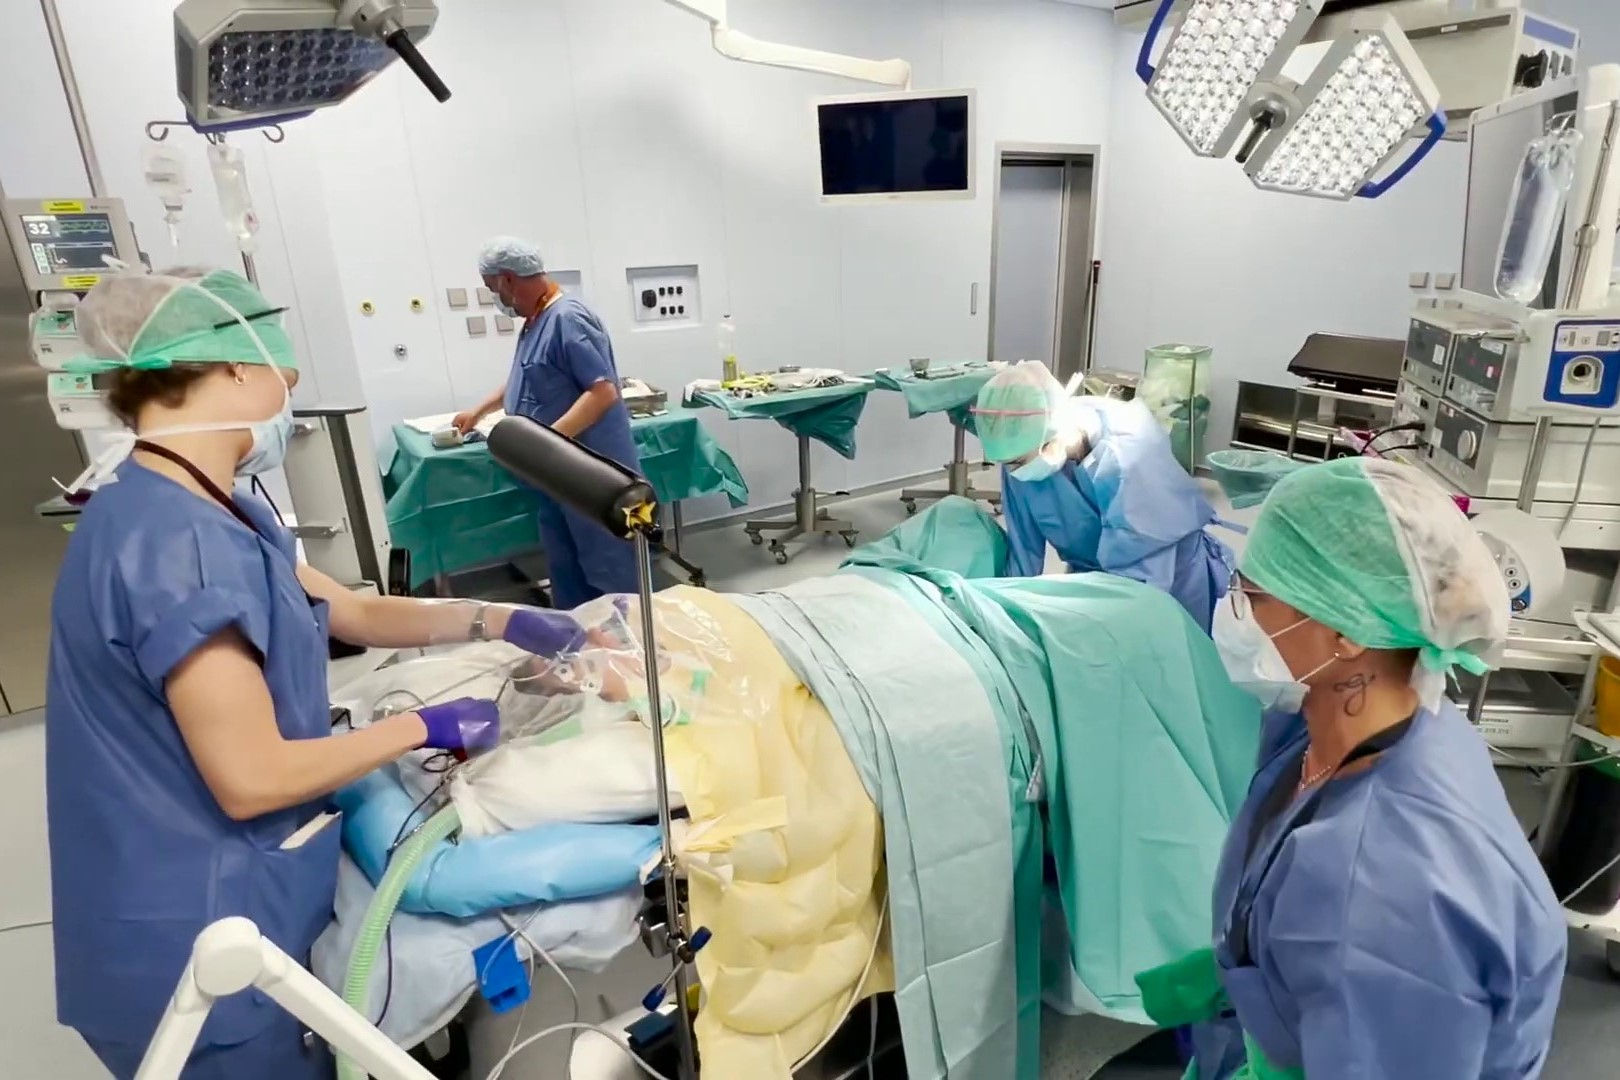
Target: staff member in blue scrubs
{"x":1095,"y":479}
{"x":188,"y":734}
{"x":563,"y":376}
{"x":1378,"y":911}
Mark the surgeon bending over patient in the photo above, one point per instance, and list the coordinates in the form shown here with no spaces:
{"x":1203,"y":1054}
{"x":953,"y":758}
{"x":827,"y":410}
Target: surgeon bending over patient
{"x":1096,"y":480}
{"x":188,"y":737}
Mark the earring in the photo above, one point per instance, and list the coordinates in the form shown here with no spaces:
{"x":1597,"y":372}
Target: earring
{"x":241,"y":380}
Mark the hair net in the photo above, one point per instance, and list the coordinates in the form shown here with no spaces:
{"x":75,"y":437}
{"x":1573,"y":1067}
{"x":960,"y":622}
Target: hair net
{"x":1375,"y":550}
{"x":1247,"y":476}
{"x":182,"y":316}
{"x":1017,"y":410}
{"x":512,"y":255}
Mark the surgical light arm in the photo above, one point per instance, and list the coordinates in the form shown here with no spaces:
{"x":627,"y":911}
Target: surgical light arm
{"x":230,"y":957}
{"x":736,"y":45}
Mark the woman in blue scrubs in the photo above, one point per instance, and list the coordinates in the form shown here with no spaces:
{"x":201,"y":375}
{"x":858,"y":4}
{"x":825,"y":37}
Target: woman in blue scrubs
{"x":188,"y":733}
{"x":1095,"y":479}
{"x":1378,"y":911}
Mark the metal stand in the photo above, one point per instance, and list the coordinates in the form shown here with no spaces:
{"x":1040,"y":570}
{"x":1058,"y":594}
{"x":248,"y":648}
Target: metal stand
{"x":680,"y":942}
{"x":808,"y":519}
{"x":958,"y":479}
{"x":672,"y":551}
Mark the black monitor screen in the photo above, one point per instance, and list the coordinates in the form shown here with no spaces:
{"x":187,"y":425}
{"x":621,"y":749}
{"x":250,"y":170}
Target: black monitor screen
{"x":895,"y":146}
{"x":65,"y":243}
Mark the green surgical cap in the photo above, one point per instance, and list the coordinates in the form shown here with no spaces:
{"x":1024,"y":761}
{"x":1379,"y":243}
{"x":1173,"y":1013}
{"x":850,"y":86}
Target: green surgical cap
{"x":184,"y":316}
{"x":1016,"y":410}
{"x":1378,"y":552}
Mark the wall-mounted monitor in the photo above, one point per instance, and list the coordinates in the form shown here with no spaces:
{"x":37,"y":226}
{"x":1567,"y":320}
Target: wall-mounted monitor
{"x":912,"y":145}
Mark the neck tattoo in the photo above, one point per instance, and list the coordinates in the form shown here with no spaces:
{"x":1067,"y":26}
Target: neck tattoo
{"x":1354,"y":692}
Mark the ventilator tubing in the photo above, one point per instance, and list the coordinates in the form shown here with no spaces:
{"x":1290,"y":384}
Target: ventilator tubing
{"x":357,"y":983}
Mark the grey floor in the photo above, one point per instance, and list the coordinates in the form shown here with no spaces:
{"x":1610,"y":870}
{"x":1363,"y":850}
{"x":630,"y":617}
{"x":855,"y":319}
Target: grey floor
{"x":1586,"y":1043}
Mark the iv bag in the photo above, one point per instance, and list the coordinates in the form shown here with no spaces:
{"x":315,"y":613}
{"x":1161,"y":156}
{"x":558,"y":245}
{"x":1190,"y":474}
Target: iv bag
{"x":165,"y":170}
{"x":1535,"y":214}
{"x":230,"y":177}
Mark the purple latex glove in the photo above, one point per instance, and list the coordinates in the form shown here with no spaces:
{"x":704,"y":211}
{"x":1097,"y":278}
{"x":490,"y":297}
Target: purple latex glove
{"x":544,"y":633}
{"x":463,"y":724}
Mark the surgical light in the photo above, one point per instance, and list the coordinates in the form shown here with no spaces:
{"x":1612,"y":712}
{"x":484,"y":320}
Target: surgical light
{"x":1367,"y":97}
{"x":1213,"y":61}
{"x":245,"y":62}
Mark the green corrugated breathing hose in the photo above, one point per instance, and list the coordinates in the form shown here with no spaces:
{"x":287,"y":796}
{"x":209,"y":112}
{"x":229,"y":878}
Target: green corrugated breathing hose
{"x":357,"y":983}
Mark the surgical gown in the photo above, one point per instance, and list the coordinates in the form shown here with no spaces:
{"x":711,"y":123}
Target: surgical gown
{"x":142,"y":856}
{"x":563,"y":352}
{"x":1128,"y":508}
{"x":1404,"y":931}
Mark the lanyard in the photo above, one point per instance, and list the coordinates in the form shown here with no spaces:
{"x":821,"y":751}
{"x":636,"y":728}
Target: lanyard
{"x":220,"y":497}
{"x":527,"y":323}
{"x":202,"y":478}
{"x":1275,"y":804}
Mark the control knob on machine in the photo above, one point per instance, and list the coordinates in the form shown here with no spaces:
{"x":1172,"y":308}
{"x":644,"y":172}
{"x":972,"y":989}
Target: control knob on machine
{"x":1467,"y":446}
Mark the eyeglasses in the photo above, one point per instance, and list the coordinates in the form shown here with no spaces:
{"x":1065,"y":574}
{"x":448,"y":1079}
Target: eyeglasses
{"x":1236,"y":587}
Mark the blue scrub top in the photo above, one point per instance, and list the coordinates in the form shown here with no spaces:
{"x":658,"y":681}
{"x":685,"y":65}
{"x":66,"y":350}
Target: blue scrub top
{"x":1124,"y":512}
{"x":563,"y":352}
{"x":142,"y":857}
{"x":1407,"y":931}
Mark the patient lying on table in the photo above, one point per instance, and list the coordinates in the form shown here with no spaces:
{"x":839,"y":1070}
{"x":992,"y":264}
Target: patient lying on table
{"x":872,"y":768}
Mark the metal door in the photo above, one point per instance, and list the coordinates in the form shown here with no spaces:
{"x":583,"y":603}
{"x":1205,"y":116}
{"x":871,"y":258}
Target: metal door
{"x":32,"y":450}
{"x":1028,"y":262}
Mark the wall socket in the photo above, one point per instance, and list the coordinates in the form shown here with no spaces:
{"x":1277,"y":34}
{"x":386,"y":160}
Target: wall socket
{"x":664,"y":296}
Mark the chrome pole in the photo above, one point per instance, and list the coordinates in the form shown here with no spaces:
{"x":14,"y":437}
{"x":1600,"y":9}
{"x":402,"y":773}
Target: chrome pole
{"x":75,"y":103}
{"x":674,"y":925}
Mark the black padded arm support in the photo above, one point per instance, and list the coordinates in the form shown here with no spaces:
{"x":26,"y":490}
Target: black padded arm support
{"x":574,"y":475}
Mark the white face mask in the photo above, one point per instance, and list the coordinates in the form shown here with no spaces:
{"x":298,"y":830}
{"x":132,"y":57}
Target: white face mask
{"x":1252,"y":660}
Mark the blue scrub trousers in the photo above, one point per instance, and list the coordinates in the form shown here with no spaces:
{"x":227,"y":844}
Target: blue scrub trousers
{"x":278,"y":1053}
{"x":586,"y":561}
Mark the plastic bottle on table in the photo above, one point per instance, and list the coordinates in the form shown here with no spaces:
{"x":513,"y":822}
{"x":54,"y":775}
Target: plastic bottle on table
{"x":728,"y":350}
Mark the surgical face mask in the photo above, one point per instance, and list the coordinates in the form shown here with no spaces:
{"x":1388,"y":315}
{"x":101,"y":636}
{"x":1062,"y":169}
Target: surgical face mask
{"x":1251,"y":658}
{"x":505,"y":309}
{"x":270,"y":439}
{"x":1035,"y":469}
{"x":1047,"y":462}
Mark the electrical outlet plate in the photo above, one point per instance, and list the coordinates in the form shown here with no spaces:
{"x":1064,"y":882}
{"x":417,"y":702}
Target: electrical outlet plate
{"x":664,"y":296}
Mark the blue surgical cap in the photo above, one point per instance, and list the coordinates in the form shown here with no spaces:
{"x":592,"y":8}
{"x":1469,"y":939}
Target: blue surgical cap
{"x":512,"y":255}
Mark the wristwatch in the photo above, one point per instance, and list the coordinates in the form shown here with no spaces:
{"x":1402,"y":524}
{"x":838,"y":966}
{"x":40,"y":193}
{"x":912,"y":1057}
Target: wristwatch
{"x":479,"y":631}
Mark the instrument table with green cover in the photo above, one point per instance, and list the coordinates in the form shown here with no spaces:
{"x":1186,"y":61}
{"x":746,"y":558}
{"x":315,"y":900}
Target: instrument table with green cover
{"x":455,"y":508}
{"x":827,"y":414}
{"x":947,"y":388}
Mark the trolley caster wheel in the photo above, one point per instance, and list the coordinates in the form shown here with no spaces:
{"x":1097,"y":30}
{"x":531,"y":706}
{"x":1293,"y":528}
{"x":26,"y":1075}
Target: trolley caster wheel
{"x":755,"y":539}
{"x":1611,"y":953}
{"x":910,"y":505}
{"x":781,"y":558}
{"x":850,"y":538}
